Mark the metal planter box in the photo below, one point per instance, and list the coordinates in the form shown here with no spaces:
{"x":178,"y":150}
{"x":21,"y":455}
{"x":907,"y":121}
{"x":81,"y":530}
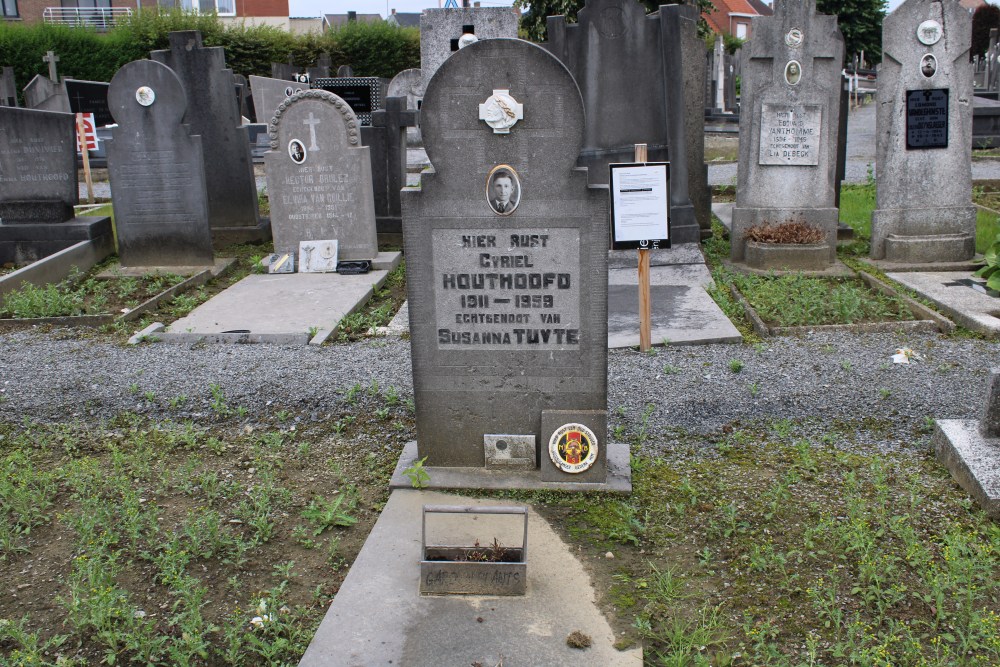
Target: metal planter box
{"x":473,"y":570}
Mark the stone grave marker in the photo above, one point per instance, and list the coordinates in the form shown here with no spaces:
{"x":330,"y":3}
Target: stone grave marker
{"x":157,"y":171}
{"x":319,"y":177}
{"x":409,"y":84}
{"x":386,"y":137}
{"x":285,"y":71}
{"x":269,"y":93}
{"x":441,"y":30}
{"x":212,"y":114}
{"x":321,"y":69}
{"x":243,"y":99}
{"x":47,"y":93}
{"x":345,"y":71}
{"x":89,"y":97}
{"x":8,"y":88}
{"x":38,"y":186}
{"x":789,"y":120}
{"x":365,"y":94}
{"x":603,"y":51}
{"x":924,"y":211}
{"x":506,"y":248}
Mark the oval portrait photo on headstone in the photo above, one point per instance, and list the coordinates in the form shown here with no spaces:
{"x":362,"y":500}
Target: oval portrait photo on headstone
{"x":573,"y":448}
{"x":503,"y":189}
{"x":296,"y":151}
{"x":793,"y":72}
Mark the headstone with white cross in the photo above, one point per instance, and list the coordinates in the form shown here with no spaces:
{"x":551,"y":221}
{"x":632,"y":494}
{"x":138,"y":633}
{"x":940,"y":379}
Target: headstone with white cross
{"x":319,"y":177}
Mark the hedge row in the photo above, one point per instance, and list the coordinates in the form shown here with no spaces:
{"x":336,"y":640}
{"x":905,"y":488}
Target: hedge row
{"x":372,"y":49}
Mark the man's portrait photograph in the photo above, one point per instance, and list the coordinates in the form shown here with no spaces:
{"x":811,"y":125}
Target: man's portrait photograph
{"x":503,"y":190}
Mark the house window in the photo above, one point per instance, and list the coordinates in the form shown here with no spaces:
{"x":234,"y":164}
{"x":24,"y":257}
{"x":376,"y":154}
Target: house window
{"x":741,"y":30}
{"x":9,"y":8}
{"x":221,"y":7}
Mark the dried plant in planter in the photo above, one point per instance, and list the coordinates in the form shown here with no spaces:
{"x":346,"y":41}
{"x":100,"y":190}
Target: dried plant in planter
{"x":791,"y":231}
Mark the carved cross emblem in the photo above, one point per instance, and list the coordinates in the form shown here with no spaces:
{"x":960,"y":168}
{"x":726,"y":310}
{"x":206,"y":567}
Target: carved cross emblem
{"x":501,"y":111}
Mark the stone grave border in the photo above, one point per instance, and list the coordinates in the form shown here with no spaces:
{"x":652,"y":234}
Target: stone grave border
{"x":925,"y":318}
{"x":83,"y":255}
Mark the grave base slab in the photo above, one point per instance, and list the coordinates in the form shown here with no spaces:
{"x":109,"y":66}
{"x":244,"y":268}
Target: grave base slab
{"x":23,"y":243}
{"x":619,"y":478}
{"x":379,"y":618}
{"x":963,"y":304}
{"x":972,"y":458}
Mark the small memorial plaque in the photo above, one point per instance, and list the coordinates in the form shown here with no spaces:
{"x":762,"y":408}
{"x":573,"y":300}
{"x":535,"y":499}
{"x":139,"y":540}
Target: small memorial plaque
{"x":927,"y":118}
{"x":362,"y":94}
{"x":317,"y":256}
{"x":790,"y":134}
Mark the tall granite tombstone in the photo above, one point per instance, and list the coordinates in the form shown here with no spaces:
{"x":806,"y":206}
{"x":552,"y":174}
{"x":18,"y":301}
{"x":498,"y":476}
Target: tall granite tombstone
{"x":319,"y":176}
{"x":441,"y":30}
{"x":38,"y":186}
{"x":631,"y":76}
{"x":157,"y":171}
{"x":386,"y":137}
{"x":89,"y":97}
{"x":992,"y":61}
{"x":212,"y":114}
{"x":269,"y":93}
{"x":923,"y":210}
{"x":8,"y":88}
{"x":789,"y":120}
{"x":506,"y":248}
{"x":409,"y":84}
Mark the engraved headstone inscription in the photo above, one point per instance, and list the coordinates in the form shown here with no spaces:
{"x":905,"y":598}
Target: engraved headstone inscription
{"x":602,"y":51}
{"x":157,"y":171}
{"x":923,"y":203}
{"x":789,"y":120}
{"x":89,"y":97}
{"x":212,"y":113}
{"x":506,"y":249}
{"x":319,"y":177}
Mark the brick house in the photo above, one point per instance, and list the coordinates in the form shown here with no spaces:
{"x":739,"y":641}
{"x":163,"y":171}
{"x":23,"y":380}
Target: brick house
{"x":733,"y":17}
{"x":103,"y":13}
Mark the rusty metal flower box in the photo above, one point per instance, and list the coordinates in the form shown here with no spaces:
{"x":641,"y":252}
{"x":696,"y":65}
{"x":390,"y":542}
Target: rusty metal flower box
{"x":480,"y":569}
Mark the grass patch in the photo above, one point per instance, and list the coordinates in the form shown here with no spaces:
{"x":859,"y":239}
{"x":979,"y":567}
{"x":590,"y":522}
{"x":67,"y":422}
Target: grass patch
{"x":856,"y":205}
{"x":380,"y":310}
{"x":987,"y":229}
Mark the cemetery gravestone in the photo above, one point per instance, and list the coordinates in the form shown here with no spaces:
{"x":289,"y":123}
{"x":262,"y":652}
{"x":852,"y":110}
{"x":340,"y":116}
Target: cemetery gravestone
{"x":345,"y":72}
{"x":157,"y":171}
{"x":321,"y":69}
{"x":602,"y":52}
{"x":89,"y":97}
{"x":269,"y":93}
{"x":243,"y":100}
{"x":319,"y":177}
{"x":387,"y":140}
{"x":213,"y":115}
{"x":923,"y":209}
{"x":8,"y":88}
{"x":441,"y":30}
{"x":788,"y":125}
{"x":365,"y":94}
{"x":409,"y":84}
{"x":506,"y":266}
{"x":47,"y":94}
{"x":284,"y":71}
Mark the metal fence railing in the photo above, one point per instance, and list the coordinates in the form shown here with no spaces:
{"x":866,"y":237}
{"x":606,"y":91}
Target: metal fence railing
{"x":100,"y":18}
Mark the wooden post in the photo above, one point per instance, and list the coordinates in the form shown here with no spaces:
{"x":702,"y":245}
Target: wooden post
{"x":82,"y":134}
{"x":645,"y":315}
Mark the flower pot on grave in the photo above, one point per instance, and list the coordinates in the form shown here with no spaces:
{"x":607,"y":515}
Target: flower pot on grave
{"x":786,"y":256}
{"x":477,"y":569}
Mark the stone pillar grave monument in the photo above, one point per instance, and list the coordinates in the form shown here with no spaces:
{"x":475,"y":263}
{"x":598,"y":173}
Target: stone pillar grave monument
{"x":8,"y":88}
{"x":924,"y":211}
{"x":441,"y":30}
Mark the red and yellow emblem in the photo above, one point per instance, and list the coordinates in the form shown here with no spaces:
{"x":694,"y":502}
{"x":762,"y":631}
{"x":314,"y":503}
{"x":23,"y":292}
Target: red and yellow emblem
{"x":573,"y":448}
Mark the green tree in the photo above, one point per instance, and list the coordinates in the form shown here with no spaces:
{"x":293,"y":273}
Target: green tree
{"x":983,"y":20}
{"x":533,"y":20}
{"x":861,"y":24}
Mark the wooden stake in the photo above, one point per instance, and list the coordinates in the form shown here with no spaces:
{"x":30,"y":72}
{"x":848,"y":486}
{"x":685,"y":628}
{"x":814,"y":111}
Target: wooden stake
{"x":645,"y":314}
{"x":82,"y":134}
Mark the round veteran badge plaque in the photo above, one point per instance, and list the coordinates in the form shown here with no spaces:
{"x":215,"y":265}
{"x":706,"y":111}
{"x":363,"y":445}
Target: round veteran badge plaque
{"x":573,"y":448}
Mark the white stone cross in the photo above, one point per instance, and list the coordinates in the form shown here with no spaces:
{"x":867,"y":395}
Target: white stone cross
{"x":51,"y":58}
{"x":312,"y":123}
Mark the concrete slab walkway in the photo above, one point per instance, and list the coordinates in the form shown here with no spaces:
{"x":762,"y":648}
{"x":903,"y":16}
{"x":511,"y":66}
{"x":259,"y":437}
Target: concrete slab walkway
{"x":379,"y":618}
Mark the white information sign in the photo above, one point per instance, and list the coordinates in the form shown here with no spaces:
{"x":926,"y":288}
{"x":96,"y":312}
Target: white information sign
{"x":640,"y":201}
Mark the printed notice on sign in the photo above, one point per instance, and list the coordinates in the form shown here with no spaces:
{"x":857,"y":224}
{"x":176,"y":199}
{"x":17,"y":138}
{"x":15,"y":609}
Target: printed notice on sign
{"x":790,"y":134}
{"x":507,"y":289}
{"x":640,"y":202}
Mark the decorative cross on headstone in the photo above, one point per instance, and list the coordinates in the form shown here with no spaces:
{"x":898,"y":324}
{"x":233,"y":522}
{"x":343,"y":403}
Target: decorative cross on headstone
{"x":312,"y":122}
{"x":51,"y":58}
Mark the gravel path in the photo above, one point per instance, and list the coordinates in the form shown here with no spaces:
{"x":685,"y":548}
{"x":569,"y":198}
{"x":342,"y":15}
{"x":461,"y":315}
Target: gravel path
{"x":826,"y":376}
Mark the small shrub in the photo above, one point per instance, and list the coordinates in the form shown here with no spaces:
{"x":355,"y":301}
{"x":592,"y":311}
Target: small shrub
{"x":784,"y":232}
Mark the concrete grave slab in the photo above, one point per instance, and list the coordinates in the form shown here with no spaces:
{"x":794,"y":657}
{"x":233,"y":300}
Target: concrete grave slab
{"x":965,"y":305}
{"x":972,"y":458}
{"x":378,"y":617}
{"x":286,"y":306}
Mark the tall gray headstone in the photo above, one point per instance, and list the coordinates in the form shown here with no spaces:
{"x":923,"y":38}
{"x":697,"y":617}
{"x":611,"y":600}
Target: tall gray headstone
{"x":506,"y":248}
{"x":441,"y":30}
{"x":386,"y":137}
{"x":789,"y":120}
{"x":157,"y":171}
{"x":269,"y":93}
{"x":8,"y":88}
{"x":409,"y":84}
{"x":319,"y":176}
{"x":212,"y":113}
{"x":924,"y":210}
{"x":631,"y":76}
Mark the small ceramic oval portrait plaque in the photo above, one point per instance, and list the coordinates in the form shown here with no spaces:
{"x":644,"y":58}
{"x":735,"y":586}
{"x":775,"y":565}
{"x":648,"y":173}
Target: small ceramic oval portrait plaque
{"x":929,"y":32}
{"x":793,"y":72}
{"x":296,"y":151}
{"x":928,"y":65}
{"x":145,"y":96}
{"x":503,"y":189}
{"x":501,"y":111}
{"x":793,"y":38}
{"x":573,"y":448}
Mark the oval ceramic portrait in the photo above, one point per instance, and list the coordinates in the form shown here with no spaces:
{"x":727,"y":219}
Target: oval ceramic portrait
{"x":296,"y":151}
{"x":928,"y":65}
{"x":503,"y":189}
{"x":145,"y":96}
{"x":793,"y":72}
